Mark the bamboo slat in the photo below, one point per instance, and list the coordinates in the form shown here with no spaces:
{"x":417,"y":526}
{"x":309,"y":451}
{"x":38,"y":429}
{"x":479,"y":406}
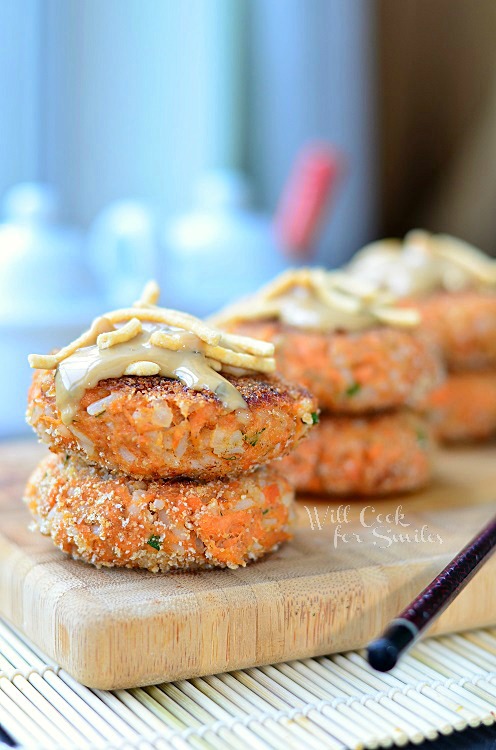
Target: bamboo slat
{"x":445,"y":684}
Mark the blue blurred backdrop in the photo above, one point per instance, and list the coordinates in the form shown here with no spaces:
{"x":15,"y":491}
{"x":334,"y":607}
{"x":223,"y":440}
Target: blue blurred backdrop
{"x":133,"y":98}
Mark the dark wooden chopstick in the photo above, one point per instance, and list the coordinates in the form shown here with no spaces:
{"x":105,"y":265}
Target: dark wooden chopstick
{"x":384,"y":652}
{"x":5,"y":739}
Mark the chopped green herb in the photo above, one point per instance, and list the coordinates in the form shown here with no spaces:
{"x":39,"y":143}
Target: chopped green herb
{"x":265,"y":511}
{"x":253,"y":439}
{"x":66,"y":458}
{"x":315,"y":417}
{"x":154,"y":541}
{"x":422,"y":438}
{"x":353,"y":389}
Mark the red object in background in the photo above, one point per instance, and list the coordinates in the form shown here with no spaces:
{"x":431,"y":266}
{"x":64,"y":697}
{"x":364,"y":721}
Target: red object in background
{"x":299,"y":216}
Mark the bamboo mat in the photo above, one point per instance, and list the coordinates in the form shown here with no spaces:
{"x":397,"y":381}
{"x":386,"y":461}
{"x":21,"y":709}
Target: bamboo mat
{"x":444,"y":684}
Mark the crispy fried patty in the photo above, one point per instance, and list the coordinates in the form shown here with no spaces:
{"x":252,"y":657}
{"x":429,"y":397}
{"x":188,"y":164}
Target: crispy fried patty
{"x":353,"y":372}
{"x":376,"y":455}
{"x":463,"y":325}
{"x":154,"y":427}
{"x":113,"y":520}
{"x":464,"y":407}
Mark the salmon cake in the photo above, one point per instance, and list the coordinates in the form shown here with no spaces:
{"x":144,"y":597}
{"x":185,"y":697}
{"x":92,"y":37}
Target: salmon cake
{"x":158,"y":428}
{"x":380,"y":454}
{"x":463,"y":409}
{"x":113,"y":520}
{"x":345,"y":340}
{"x":353,"y":372}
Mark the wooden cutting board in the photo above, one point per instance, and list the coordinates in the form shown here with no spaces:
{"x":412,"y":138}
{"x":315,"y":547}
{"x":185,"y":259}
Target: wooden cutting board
{"x":331,"y":589}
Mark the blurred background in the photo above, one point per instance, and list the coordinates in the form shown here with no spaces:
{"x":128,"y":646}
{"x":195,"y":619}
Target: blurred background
{"x":212,"y":143}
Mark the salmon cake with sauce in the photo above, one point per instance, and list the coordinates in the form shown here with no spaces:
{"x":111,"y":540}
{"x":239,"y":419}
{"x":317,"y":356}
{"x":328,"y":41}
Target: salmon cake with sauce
{"x":352,"y":346}
{"x":381,"y":454}
{"x":449,"y":282}
{"x":111,"y":519}
{"x":158,"y":394}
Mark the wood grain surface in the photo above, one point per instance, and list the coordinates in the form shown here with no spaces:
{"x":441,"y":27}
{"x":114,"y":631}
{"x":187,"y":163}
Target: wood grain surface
{"x":347,"y":572}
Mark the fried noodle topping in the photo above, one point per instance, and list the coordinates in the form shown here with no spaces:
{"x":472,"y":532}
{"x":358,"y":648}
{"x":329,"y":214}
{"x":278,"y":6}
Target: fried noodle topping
{"x":321,"y":300}
{"x":423,"y":263}
{"x":147,"y":340}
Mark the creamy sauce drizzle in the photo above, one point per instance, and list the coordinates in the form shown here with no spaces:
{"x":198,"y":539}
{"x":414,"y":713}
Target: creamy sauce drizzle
{"x":302,"y":309}
{"x":86,"y":367}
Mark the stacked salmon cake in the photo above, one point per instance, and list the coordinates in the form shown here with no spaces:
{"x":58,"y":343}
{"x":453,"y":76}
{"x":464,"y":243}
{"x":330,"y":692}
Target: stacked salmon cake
{"x":453,"y":287}
{"x":161,"y":428}
{"x":356,"y":350}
